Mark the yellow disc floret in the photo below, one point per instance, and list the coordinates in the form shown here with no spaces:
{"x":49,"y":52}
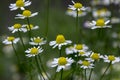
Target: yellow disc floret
{"x":37,"y":40}
{"x":95,"y":56}
{"x":100,"y":22}
{"x":34,"y":51}
{"x":79,"y":47}
{"x":86,"y":63}
{"x":62,"y":61}
{"x":60,"y":39}
{"x":111,"y":58}
{"x":17,"y":26}
{"x":26,"y":13}
{"x":78,"y":5}
{"x":29,"y":26}
{"x":19,"y":3}
{"x":81,"y":52}
{"x":10,"y":38}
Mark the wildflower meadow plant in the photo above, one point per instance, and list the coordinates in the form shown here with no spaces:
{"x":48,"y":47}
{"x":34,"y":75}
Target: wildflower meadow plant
{"x":77,"y":52}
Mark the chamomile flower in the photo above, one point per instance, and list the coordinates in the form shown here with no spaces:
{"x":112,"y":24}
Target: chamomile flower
{"x":26,"y":14}
{"x":16,"y":27}
{"x":80,"y":47}
{"x":37,"y":41}
{"x":33,"y":51}
{"x":94,"y":57}
{"x":11,"y":40}
{"x":76,"y":6}
{"x":29,"y":27}
{"x":86,"y":64}
{"x":111,"y":58}
{"x":84,"y":53}
{"x":62,"y":63}
{"x":60,"y":41}
{"x":69,"y":50}
{"x":19,"y":4}
{"x":100,"y":23}
{"x":101,"y":13}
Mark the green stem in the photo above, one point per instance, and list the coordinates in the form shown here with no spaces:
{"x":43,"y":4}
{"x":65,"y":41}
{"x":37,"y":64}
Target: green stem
{"x":29,"y":31}
{"x":61,"y":74}
{"x":60,"y":52}
{"x":85,"y":75}
{"x":47,"y":19}
{"x":90,"y":74}
{"x":16,"y":53}
{"x":37,"y":63}
{"x":43,"y":67}
{"x":77,"y":26}
{"x":21,"y":39}
{"x":105,"y":71}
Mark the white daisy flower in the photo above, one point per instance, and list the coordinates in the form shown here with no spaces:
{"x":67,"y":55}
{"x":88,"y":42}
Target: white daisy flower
{"x":19,"y":4}
{"x":94,"y":57}
{"x":33,"y":51}
{"x":80,"y":47}
{"x":111,"y":58}
{"x":84,"y":53}
{"x":77,"y":6}
{"x":101,"y":13}
{"x":26,"y":14}
{"x":17,"y":27}
{"x":60,"y":41}
{"x":86,"y":64}
{"x":62,"y":63}
{"x":29,"y":27}
{"x":37,"y":41}
{"x":69,"y":50}
{"x":100,"y":23}
{"x":11,"y":40}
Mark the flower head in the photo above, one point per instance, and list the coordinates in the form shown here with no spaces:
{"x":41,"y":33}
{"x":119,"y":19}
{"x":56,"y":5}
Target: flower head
{"x":60,"y":41}
{"x":11,"y":40}
{"x":26,"y":14}
{"x":111,"y":58}
{"x":19,"y":4}
{"x":76,"y":6}
{"x":86,"y":64}
{"x":62,"y":63}
{"x":37,"y":41}
{"x":100,"y":23}
{"x":33,"y":51}
{"x":16,"y":27}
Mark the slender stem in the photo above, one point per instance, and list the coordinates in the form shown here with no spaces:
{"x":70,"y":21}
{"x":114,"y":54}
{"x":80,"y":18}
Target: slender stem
{"x":47,"y":19}
{"x":43,"y":68}
{"x":77,"y":26}
{"x":85,"y":75}
{"x":30,"y":69}
{"x":29,"y":30}
{"x":60,"y":53}
{"x":21,"y":39}
{"x":105,"y":71}
{"x":16,"y":53}
{"x":36,"y":60}
{"x":61,"y":74}
{"x":90,"y":74}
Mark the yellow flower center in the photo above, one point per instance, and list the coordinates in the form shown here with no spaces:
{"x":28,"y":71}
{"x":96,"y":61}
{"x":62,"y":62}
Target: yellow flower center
{"x":79,"y":47}
{"x":11,"y":38}
{"x":29,"y":26}
{"x":78,"y":5}
{"x":60,"y":39}
{"x":100,"y":22}
{"x":17,"y":26}
{"x":62,"y":61}
{"x":37,"y":40}
{"x":111,"y":58}
{"x":26,"y":13}
{"x":86,"y":63}
{"x":81,"y":52}
{"x":19,"y":3}
{"x":95,"y":56}
{"x":34,"y":51}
